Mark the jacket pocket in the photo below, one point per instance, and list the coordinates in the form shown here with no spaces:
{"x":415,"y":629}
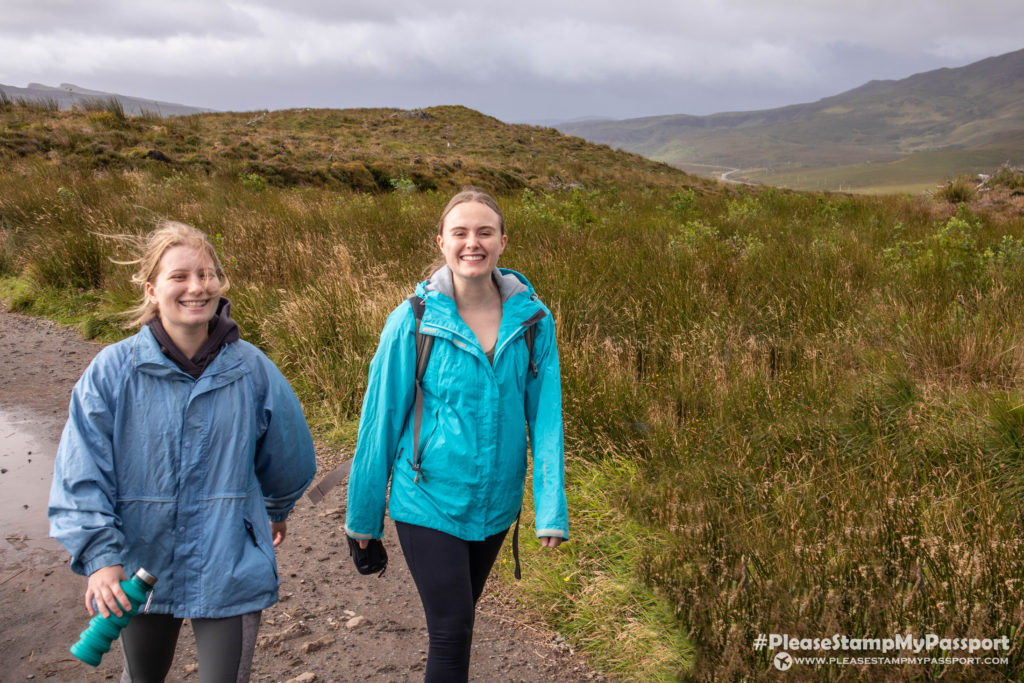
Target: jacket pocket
{"x":265,"y":549}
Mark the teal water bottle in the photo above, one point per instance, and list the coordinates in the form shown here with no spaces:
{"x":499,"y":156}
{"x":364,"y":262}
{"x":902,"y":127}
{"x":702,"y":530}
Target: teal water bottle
{"x":95,"y":640}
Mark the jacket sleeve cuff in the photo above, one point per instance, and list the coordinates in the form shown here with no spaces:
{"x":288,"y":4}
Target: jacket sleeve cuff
{"x":558,"y":533}
{"x":358,"y":536}
{"x":277,"y":515}
{"x":108,"y":559}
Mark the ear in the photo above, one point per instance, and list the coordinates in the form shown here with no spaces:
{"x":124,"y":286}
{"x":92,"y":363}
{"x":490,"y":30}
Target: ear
{"x":440,"y":242}
{"x":150,"y":294}
{"x":504,"y":241}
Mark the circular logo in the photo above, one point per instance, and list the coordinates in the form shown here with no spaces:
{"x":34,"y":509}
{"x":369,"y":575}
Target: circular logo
{"x":783,"y":661}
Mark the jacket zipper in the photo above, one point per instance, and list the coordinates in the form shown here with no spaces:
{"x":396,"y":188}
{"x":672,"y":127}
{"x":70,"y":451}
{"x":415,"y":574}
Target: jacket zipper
{"x":533,"y":320}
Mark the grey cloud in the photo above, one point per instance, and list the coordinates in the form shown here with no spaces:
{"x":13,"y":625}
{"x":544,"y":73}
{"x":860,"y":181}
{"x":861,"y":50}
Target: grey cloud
{"x":526,"y":60}
{"x":124,"y":18}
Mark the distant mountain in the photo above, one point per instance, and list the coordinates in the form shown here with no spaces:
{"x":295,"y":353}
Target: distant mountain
{"x":68,"y":96}
{"x":557,"y":123}
{"x":977,"y":108}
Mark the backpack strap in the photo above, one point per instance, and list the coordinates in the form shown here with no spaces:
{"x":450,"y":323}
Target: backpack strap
{"x":424,"y":342}
{"x":515,"y":545}
{"x":529,"y":335}
{"x":424,"y":345}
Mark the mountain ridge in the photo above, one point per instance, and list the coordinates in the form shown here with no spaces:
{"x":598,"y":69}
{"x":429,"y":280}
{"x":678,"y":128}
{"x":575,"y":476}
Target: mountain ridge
{"x":980,"y":105}
{"x":69,"y":96}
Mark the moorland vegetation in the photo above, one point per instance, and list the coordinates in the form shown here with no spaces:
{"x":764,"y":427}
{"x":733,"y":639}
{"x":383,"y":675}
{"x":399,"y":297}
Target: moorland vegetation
{"x":785,"y":412}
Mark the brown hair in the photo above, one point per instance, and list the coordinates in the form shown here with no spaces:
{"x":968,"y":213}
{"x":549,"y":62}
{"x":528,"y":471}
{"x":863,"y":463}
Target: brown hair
{"x":152,"y":248}
{"x":471,"y":193}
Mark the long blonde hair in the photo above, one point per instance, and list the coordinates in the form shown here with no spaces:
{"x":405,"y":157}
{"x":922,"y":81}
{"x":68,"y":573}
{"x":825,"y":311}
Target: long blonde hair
{"x":151,"y":248}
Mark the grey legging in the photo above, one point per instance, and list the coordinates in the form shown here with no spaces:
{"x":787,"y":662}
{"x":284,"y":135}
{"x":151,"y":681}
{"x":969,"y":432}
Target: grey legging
{"x":225,"y":647}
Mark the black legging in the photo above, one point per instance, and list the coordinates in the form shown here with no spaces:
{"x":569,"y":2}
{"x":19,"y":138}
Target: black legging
{"x":450,"y":574}
{"x":224,"y":647}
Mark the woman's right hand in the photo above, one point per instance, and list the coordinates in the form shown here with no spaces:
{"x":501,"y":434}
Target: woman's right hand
{"x":105,"y":588}
{"x":363,"y":543}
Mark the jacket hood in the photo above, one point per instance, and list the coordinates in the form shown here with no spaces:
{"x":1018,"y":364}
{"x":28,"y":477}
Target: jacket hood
{"x":509,"y":283}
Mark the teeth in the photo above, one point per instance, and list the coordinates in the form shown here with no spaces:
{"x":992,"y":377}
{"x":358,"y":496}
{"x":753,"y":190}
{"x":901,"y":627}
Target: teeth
{"x":194,"y":304}
{"x":472,"y":258}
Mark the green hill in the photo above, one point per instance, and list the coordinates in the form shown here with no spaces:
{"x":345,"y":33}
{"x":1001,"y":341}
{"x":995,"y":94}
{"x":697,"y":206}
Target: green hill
{"x":976,"y":111}
{"x":360,"y":149}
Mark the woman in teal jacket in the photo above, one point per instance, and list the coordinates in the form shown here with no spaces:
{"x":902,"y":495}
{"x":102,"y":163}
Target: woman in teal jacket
{"x":483,"y":391}
{"x":184,"y":451}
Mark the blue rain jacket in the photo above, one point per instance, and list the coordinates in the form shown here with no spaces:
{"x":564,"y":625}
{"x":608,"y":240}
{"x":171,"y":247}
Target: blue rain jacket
{"x":476,"y":416}
{"x":181,"y":476}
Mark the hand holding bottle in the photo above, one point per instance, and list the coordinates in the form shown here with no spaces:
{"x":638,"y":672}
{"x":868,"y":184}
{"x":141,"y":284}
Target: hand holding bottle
{"x":105,"y":627}
{"x":105,"y":589}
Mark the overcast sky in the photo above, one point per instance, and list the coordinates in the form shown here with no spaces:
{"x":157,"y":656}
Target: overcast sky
{"x":517,"y":60}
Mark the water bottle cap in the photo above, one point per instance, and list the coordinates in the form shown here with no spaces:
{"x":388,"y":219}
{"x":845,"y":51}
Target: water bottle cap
{"x":146,"y":576}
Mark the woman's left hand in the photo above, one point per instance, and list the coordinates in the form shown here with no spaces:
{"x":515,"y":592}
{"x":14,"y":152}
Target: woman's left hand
{"x":551,"y":541}
{"x":278,"y":530}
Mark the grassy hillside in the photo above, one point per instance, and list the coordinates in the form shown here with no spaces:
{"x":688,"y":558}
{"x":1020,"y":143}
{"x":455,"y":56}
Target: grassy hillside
{"x":974,"y":109}
{"x":368,"y":150}
{"x":915,"y":173}
{"x":785,"y":412}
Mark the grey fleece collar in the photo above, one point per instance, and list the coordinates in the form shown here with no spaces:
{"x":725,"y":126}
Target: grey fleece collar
{"x":508,"y":284}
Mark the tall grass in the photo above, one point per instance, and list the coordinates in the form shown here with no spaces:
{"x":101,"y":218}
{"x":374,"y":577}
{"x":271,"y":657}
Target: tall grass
{"x":784,"y":412}
{"x":108,"y":111}
{"x":39,"y":104}
{"x":1007,"y":176}
{"x":959,"y":190}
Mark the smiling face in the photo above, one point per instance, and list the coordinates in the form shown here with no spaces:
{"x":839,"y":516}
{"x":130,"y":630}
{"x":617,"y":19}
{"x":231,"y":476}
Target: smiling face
{"x":471,"y":240}
{"x":185,"y":290}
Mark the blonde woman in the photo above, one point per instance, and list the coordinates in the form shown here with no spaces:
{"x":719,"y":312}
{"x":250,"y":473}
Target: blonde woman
{"x":184,"y":451}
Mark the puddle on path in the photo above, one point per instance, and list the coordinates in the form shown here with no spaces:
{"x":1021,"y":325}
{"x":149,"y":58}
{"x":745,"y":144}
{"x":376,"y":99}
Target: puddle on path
{"x":26,"y":469}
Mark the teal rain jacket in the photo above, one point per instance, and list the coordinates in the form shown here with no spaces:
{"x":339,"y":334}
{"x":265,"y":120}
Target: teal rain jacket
{"x":181,"y":476}
{"x":473,"y":435}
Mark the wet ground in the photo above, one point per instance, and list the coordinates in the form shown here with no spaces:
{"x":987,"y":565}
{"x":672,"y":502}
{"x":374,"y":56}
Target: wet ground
{"x":25,"y":473}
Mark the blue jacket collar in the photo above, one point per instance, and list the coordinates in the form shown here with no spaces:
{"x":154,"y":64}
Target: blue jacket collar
{"x":441,"y":317}
{"x":509,"y":283}
{"x":147,"y":357}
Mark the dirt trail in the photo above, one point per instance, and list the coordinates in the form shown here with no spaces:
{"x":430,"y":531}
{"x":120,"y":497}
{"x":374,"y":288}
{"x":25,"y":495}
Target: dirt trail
{"x":310,"y":631}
